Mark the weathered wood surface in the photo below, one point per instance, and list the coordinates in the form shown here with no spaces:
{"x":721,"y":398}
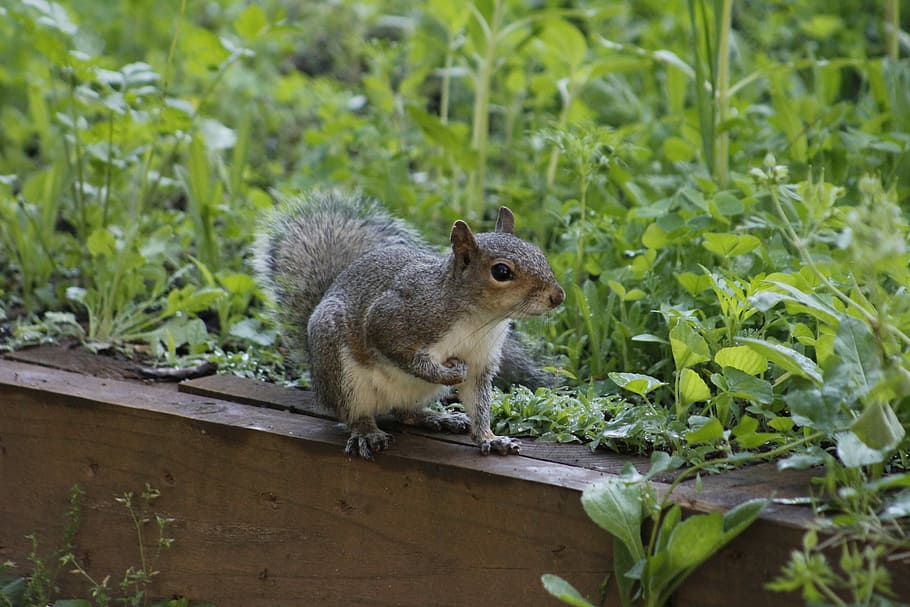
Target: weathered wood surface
{"x":270,"y":512}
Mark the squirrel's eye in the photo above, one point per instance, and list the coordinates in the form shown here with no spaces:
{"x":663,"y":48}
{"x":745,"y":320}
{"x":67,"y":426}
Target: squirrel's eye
{"x":501,"y":272}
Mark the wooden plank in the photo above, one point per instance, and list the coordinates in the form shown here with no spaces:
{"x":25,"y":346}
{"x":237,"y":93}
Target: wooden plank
{"x":269,"y":511}
{"x":718,"y":492}
{"x":76,"y":359}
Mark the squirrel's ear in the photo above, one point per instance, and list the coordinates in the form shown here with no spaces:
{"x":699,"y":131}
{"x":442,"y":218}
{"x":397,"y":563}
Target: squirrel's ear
{"x":505,"y":223}
{"x":464,"y":245}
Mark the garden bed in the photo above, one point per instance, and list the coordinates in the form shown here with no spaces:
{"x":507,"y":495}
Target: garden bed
{"x":270,"y":511}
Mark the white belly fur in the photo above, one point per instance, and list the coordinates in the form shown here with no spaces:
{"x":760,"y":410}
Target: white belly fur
{"x":380,"y":387}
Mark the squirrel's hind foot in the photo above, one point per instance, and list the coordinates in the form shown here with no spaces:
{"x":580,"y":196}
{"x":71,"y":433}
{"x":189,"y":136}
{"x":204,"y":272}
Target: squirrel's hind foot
{"x":366,"y":438}
{"x":503,"y":445}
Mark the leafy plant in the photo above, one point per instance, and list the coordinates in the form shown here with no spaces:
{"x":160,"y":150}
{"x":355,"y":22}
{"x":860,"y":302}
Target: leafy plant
{"x":648,"y":574}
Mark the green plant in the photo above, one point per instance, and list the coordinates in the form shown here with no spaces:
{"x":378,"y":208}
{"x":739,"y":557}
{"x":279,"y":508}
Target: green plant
{"x":649,"y":573}
{"x":39,"y":588}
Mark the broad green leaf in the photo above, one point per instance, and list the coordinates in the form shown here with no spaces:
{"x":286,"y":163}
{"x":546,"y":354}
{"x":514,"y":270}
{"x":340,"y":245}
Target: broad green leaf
{"x":854,"y":346}
{"x":654,"y":237}
{"x":692,"y":388}
{"x":809,"y":407}
{"x":563,"y":590}
{"x":727,"y":204}
{"x":677,"y":149}
{"x":854,"y":453}
{"x":694,"y":283}
{"x":878,"y":427}
{"x":786,"y":358}
{"x":730,"y":245}
{"x":636,"y":382}
{"x":564,"y":41}
{"x":738,"y":518}
{"x":694,"y":540}
{"x":615,"y":505}
{"x":101,"y":243}
{"x":743,"y":385}
{"x":746,"y":435}
{"x":708,"y":432}
{"x":743,"y":358}
{"x":251,"y":22}
{"x":689,"y":348}
{"x":765,"y":300}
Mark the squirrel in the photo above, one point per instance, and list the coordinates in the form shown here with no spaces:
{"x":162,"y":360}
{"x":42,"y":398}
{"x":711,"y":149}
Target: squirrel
{"x":388,"y":325}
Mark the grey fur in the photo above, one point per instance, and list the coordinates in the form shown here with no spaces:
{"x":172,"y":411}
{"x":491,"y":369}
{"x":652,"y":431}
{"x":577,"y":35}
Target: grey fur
{"x":387,"y":324}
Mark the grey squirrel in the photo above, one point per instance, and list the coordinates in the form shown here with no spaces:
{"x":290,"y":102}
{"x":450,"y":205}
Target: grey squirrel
{"x":388,"y":325}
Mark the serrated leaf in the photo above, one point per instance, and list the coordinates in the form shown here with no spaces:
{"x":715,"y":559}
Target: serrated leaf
{"x":786,"y":358}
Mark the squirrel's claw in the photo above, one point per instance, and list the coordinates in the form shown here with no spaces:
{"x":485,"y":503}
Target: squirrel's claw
{"x":364,"y":444}
{"x":503,"y":445}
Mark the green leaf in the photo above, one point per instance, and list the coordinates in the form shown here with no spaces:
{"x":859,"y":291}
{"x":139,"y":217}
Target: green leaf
{"x":251,"y":22}
{"x":786,"y":358}
{"x":563,"y":590}
{"x":615,"y":505}
{"x":743,"y":358}
{"x":694,"y":540}
{"x":765,"y":300}
{"x":730,"y":245}
{"x":654,"y":237}
{"x":101,"y":243}
{"x":689,"y":348}
{"x":694,"y":283}
{"x":745,"y":386}
{"x":636,"y":382}
{"x":878,"y":427}
{"x":727,"y":204}
{"x":738,"y":518}
{"x":564,"y":41}
{"x":710,"y":431}
{"x":854,"y":453}
{"x":692,"y":388}
{"x":854,"y":347}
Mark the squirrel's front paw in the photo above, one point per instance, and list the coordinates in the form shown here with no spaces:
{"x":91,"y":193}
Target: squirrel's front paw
{"x":364,"y":444}
{"x":456,"y":371}
{"x":502,"y":445}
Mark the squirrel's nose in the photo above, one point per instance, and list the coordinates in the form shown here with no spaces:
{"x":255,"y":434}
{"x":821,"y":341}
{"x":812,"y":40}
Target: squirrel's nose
{"x":557,"y":296}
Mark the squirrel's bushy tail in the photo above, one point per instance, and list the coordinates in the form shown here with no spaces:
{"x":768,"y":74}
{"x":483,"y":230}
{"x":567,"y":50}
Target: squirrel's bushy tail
{"x":307,"y":241}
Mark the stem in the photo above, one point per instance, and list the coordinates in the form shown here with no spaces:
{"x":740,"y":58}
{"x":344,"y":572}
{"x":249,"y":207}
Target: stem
{"x":481,"y":122}
{"x":892,"y":28}
{"x":107,"y":169}
{"x":723,"y":90}
{"x":139,"y":201}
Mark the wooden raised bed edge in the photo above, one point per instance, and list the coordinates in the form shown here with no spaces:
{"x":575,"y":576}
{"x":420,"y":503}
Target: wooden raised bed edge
{"x":269,"y":511}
